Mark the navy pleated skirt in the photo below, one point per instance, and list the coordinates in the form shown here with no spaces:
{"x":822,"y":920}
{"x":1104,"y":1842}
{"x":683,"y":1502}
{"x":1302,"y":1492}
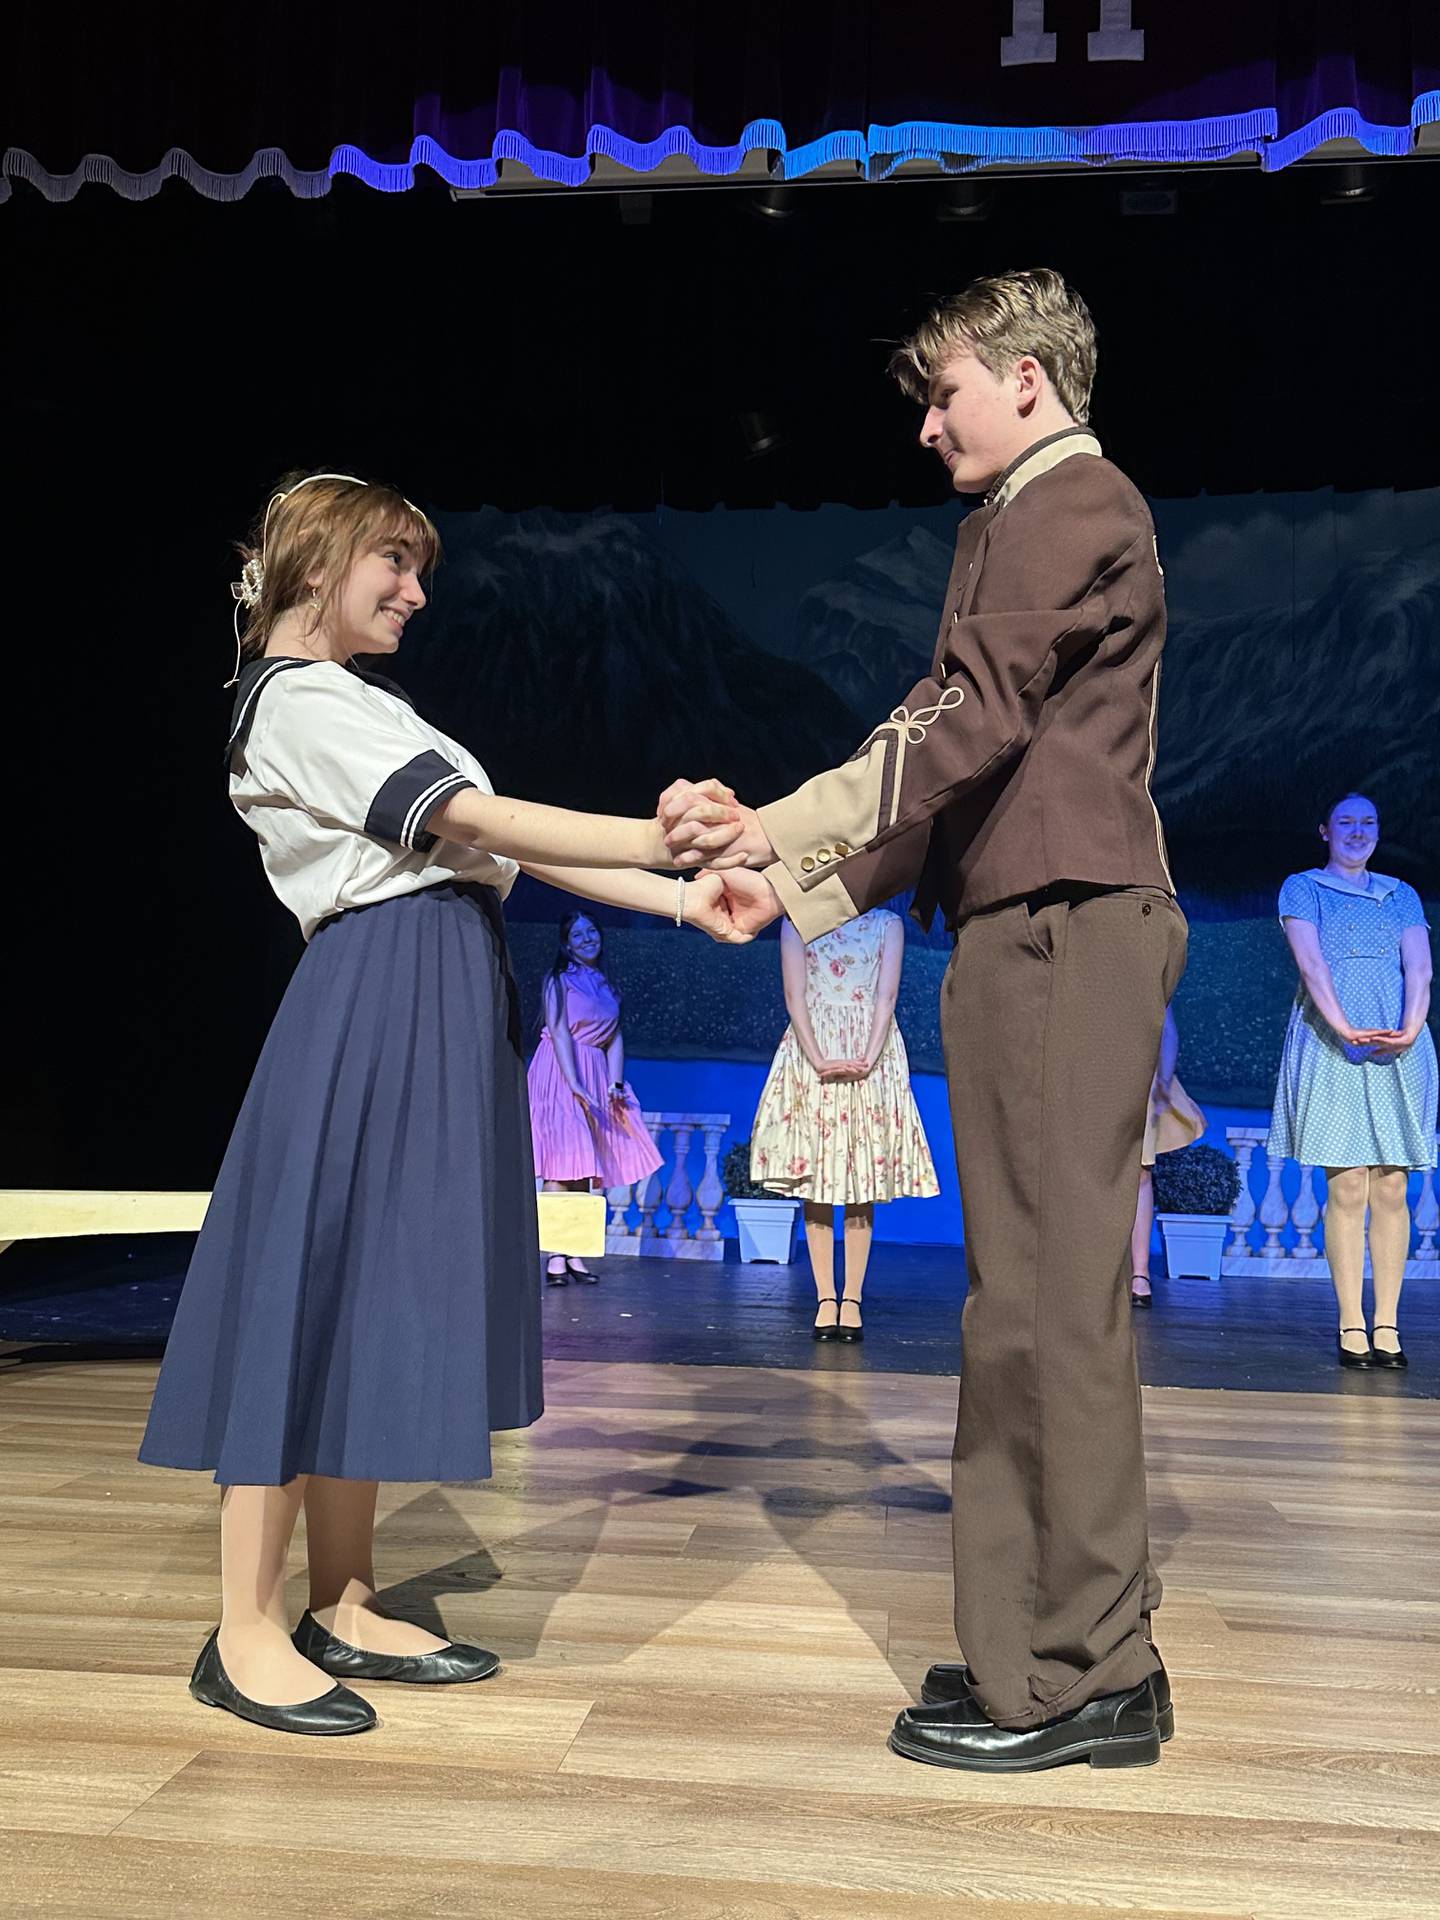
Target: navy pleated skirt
{"x":363,"y":1299}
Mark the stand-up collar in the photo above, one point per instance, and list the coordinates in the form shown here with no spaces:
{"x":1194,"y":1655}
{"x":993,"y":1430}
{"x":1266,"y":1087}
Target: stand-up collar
{"x":1038,"y":459}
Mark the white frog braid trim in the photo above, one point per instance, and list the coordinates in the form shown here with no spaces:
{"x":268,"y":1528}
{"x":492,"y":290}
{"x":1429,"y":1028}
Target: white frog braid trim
{"x":918,"y":724}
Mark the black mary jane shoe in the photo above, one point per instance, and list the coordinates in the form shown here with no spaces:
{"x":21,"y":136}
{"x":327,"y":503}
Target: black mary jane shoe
{"x":831,"y":1332}
{"x":1140,"y":1299}
{"x":560,"y":1279}
{"x":338,"y":1711}
{"x":446,"y":1667}
{"x":1349,"y":1359}
{"x":1393,"y":1359}
{"x":1115,"y":1730}
{"x":581,"y":1274}
{"x":949,"y":1681}
{"x":852,"y":1336}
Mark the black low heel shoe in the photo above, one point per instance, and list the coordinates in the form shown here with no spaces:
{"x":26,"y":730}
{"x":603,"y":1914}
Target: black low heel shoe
{"x":447,"y":1667}
{"x":852,"y":1336}
{"x":338,"y":1711}
{"x":832,"y":1332}
{"x":949,"y":1681}
{"x":1383,"y":1357}
{"x":1349,"y":1359}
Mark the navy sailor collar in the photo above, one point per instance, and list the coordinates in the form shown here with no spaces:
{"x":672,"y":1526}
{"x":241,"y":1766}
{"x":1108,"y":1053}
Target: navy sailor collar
{"x":257,"y":674}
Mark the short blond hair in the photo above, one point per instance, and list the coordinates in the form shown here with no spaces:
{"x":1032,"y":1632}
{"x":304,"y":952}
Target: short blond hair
{"x":998,"y":319}
{"x":322,"y":524}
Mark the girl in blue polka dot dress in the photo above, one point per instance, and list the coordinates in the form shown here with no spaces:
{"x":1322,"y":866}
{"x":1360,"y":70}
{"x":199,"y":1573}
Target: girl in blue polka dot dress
{"x":1357,"y":1087}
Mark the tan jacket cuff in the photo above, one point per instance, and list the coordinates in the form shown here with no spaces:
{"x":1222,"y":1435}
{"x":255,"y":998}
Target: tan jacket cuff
{"x":832,"y":816}
{"x":812,"y":910}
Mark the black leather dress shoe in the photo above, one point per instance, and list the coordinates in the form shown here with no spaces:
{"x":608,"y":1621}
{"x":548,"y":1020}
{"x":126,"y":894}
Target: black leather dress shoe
{"x":338,"y":1711}
{"x":949,"y":1680}
{"x":1115,"y":1730}
{"x":447,"y":1667}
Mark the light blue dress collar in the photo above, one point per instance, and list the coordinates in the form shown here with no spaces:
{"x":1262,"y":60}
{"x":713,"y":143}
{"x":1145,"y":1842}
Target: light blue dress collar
{"x":1381,"y":886}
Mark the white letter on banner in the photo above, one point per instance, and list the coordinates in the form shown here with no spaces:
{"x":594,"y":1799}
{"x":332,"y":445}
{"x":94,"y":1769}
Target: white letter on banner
{"x":1117,"y":39}
{"x":1028,"y":44}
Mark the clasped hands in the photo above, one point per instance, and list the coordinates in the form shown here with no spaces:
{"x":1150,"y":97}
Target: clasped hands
{"x":1379,"y":1043}
{"x":705,"y":826}
{"x":843,"y":1073}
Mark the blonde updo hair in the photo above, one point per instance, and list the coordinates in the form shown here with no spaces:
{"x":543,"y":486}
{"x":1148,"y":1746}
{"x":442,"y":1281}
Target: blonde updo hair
{"x":321,"y":525}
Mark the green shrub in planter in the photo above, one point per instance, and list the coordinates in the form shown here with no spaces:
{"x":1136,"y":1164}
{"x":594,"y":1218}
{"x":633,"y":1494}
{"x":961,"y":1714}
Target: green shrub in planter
{"x":1196,"y":1180}
{"x":738,"y":1184}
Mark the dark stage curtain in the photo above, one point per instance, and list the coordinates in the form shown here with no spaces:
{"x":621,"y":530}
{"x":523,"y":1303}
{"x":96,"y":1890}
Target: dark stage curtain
{"x":221,"y":96}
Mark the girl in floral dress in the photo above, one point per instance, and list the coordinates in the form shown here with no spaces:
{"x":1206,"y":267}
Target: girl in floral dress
{"x":837,"y":1124}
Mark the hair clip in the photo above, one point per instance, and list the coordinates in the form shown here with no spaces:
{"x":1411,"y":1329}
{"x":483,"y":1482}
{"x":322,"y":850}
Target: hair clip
{"x":251,"y":584}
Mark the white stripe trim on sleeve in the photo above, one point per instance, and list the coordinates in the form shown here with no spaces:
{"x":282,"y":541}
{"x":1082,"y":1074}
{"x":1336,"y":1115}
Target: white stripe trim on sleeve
{"x":424,"y":804}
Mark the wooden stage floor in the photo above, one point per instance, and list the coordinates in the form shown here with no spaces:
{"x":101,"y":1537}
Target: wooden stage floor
{"x":712,"y":1588}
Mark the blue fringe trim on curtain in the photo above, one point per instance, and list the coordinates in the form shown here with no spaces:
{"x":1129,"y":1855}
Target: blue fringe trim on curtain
{"x":1341,"y":123}
{"x":963,"y":148}
{"x":880,"y":150}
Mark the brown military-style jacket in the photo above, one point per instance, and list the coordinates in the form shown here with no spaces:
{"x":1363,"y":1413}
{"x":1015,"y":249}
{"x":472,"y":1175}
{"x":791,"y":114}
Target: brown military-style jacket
{"x":1025,"y":757}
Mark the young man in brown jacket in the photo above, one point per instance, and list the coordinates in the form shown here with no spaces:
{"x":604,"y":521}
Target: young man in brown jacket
{"x":1012,"y":790}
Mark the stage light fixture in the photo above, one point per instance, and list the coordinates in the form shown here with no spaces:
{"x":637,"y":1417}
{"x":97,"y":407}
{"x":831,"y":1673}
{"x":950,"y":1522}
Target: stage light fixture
{"x":1148,"y":202}
{"x":964,"y":200}
{"x":761,"y":434}
{"x":775,"y":203}
{"x":1347,"y":186}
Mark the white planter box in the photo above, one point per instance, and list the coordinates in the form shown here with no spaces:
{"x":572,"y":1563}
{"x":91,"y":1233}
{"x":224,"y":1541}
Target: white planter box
{"x":1194,"y":1244}
{"x":767,"y":1229}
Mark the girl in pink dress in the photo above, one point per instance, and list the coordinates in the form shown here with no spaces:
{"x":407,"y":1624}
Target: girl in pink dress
{"x":585,"y":1121}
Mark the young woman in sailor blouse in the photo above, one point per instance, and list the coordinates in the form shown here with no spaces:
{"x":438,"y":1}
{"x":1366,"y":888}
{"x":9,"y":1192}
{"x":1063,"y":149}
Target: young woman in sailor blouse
{"x":361,"y":1305}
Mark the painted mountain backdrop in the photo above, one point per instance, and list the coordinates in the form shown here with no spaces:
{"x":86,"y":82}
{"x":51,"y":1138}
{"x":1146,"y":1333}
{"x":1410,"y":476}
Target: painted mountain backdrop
{"x":588,"y":664}
{"x":586,"y":668}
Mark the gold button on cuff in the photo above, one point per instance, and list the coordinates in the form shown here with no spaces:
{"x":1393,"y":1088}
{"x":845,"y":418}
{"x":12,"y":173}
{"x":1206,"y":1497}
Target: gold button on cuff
{"x":842,"y":852}
{"x":823,"y":855}
{"x":807,"y":865}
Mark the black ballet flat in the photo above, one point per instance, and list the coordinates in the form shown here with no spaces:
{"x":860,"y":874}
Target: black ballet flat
{"x":446,"y":1667}
{"x":561,"y":1279}
{"x":338,"y":1711}
{"x":1349,"y":1359}
{"x":1140,"y":1299}
{"x":851,"y":1336}
{"x":582,"y":1276}
{"x":827,"y":1333}
{"x":1382,"y":1357}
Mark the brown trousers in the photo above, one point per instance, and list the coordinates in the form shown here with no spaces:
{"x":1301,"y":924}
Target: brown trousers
{"x":1051,"y":1012}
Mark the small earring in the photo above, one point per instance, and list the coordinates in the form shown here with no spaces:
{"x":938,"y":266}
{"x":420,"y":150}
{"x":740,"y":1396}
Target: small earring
{"x":314,"y":596}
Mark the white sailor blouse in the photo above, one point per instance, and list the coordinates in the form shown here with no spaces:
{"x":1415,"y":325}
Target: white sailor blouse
{"x":339,"y":777}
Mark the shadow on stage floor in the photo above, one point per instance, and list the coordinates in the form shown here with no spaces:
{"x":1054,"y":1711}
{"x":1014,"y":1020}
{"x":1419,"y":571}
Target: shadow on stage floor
{"x":95,"y":1297}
